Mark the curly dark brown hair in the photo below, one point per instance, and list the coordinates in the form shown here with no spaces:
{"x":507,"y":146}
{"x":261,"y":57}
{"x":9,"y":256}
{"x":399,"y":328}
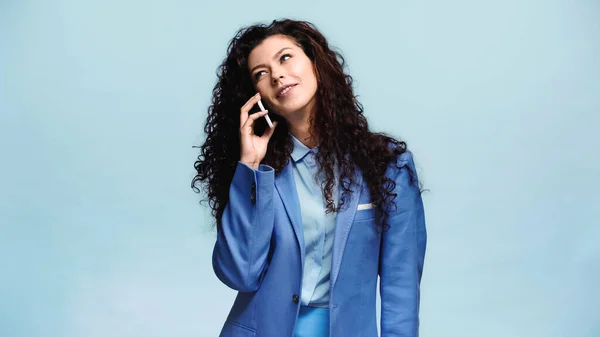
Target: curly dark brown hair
{"x":342,"y":129}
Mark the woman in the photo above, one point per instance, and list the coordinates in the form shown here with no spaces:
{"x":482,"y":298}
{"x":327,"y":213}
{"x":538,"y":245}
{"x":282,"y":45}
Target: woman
{"x":311,"y":212}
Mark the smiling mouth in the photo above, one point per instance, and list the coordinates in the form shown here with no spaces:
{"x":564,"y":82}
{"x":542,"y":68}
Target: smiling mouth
{"x":286,"y":91}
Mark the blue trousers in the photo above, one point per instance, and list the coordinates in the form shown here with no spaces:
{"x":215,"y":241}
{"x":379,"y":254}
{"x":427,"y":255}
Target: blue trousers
{"x":312,"y":322}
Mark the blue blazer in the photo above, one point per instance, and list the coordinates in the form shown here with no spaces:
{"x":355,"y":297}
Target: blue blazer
{"x":260,"y":252}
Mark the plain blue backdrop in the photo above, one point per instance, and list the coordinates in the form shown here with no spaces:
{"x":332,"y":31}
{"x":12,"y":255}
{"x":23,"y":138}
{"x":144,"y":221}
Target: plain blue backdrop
{"x":102,"y":101}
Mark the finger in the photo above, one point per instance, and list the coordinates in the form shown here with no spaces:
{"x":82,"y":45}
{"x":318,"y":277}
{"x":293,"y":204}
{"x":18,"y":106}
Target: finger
{"x":246,"y":108}
{"x":250,"y":102}
{"x":249,"y":124}
{"x":259,"y":114}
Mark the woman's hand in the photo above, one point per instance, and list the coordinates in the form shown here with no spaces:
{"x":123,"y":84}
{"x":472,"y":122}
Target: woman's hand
{"x":252,"y":147}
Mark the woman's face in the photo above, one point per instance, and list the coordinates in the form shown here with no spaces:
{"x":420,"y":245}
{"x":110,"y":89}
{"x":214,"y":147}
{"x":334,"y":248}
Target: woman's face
{"x":284,"y":76}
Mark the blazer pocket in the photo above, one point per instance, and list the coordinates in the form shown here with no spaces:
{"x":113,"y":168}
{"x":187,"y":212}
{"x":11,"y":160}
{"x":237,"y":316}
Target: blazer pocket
{"x":233,"y":329}
{"x":365,"y":212}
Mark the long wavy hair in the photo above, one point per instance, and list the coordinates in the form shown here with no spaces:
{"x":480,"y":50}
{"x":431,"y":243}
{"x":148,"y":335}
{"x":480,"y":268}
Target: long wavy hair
{"x":345,"y":142}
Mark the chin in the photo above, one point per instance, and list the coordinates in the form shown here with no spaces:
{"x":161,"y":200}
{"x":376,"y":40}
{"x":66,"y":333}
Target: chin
{"x":293,"y":107}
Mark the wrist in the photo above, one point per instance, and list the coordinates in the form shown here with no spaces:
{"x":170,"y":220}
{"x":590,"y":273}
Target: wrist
{"x":253,"y":165}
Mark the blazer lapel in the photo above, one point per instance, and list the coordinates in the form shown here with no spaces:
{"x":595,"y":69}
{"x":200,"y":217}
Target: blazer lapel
{"x":286,"y":186}
{"x":343,"y":224}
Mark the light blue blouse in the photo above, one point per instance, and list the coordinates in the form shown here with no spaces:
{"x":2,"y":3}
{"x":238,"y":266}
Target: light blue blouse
{"x":318,"y":227}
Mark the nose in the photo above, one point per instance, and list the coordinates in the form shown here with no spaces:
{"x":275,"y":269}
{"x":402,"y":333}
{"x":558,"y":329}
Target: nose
{"x":276,"y":75}
{"x":277,"y":79}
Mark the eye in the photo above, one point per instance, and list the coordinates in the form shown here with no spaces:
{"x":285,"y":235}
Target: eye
{"x":258,"y":74}
{"x":284,"y":57}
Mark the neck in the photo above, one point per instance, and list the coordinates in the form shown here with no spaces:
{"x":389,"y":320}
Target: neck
{"x":302,"y":132}
{"x":300,"y":128}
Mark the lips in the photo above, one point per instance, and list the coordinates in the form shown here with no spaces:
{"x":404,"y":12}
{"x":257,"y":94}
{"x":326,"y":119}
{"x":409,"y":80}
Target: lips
{"x":285,"y":90}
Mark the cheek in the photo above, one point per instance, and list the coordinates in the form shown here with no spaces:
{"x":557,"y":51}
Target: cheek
{"x":310,"y":79}
{"x":263,"y":88}
{"x":266,"y":93}
{"x":300,"y":69}
{"x":309,"y":74}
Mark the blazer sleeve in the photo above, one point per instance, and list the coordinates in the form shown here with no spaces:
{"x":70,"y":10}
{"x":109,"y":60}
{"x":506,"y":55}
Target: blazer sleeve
{"x":402,"y":255}
{"x":241,"y":249}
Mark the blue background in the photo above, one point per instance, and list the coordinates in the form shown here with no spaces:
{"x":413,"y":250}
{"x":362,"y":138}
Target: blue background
{"x":101,"y":103}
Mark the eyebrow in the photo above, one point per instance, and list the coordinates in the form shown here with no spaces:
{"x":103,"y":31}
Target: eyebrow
{"x":274,"y":57}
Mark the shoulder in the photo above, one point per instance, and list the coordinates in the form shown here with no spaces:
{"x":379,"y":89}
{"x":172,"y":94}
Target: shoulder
{"x":406,"y":186}
{"x":402,"y":170}
{"x":403,"y":160}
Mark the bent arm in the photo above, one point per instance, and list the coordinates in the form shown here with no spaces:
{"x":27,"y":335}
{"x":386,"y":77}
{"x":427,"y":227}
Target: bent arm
{"x":242,"y":246}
